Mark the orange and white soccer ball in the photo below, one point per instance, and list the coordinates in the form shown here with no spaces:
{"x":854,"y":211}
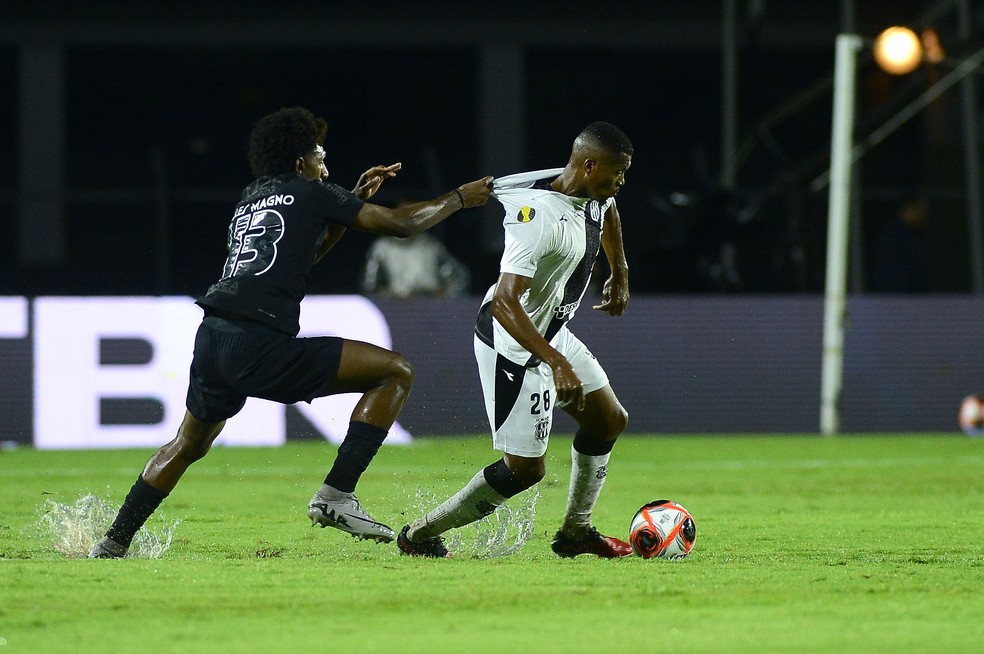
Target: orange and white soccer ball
{"x":972,"y":415}
{"x":662,"y":529}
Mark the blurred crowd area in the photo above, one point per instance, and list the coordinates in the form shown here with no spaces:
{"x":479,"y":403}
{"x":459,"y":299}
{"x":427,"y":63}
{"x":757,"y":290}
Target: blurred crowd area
{"x":156,"y":138}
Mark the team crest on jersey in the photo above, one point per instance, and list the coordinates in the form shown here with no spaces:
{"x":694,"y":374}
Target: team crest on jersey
{"x":526,"y":214}
{"x":593,"y":212}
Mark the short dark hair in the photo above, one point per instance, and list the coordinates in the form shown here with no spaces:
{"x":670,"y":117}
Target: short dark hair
{"x":280,"y":138}
{"x":607,"y":137}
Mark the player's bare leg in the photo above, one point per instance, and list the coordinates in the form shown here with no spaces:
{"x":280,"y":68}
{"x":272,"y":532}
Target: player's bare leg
{"x":600,"y":422}
{"x":192,"y":442}
{"x":384,"y":378}
{"x":158,"y":479}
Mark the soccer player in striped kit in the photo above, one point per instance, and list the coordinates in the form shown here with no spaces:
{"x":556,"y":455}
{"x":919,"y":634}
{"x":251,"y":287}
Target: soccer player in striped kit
{"x":556,"y":222}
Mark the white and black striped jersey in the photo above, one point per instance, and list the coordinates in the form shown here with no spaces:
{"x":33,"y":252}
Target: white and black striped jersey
{"x":554,"y":240}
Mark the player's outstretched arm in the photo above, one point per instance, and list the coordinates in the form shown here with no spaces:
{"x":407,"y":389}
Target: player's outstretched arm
{"x":369,"y":182}
{"x":615,"y":293}
{"x":420,"y":216}
{"x":507,"y":308}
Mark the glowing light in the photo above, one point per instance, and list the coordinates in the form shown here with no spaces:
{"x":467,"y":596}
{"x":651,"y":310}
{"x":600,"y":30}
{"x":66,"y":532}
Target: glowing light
{"x":898,"y":50}
{"x":931,"y":44}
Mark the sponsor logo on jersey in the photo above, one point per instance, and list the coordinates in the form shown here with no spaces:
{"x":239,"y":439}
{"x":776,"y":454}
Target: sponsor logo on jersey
{"x":565,"y":310}
{"x":526,"y":214}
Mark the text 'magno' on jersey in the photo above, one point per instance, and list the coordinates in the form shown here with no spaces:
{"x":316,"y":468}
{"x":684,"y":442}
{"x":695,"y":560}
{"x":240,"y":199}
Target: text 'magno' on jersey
{"x":275,"y":233}
{"x":554,"y":240}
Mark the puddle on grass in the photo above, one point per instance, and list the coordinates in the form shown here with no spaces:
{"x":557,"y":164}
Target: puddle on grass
{"x":72,"y":529}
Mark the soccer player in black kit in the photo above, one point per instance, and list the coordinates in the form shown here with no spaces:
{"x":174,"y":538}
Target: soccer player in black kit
{"x":247,"y":344}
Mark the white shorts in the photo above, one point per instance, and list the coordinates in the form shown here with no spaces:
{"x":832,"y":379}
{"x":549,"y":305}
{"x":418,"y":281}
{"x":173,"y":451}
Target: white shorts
{"x":519,"y":400}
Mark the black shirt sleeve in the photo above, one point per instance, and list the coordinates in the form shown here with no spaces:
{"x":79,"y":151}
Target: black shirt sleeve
{"x":338,"y":204}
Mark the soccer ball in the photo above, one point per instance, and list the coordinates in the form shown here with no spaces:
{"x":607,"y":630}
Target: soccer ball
{"x":662,"y":529}
{"x":972,"y":415}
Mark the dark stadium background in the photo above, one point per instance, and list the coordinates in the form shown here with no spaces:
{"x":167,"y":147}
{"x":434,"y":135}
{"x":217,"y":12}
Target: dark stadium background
{"x":159,"y":99}
{"x":123,"y":133}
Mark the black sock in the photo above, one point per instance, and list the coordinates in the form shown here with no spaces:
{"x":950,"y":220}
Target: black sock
{"x":591,"y":447}
{"x":142,"y":500}
{"x":501,"y":479}
{"x":354,"y":455}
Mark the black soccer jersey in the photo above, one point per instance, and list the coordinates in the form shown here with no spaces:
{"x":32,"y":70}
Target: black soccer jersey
{"x":273,"y":239}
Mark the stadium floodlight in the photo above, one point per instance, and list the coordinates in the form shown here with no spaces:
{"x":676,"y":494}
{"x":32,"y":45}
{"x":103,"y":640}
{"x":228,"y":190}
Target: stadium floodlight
{"x":898,"y":50}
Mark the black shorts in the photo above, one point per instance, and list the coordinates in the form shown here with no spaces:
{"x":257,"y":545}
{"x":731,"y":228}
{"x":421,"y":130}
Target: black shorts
{"x":237,"y":359}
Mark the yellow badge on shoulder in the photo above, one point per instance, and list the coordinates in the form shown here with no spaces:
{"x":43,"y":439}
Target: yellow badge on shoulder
{"x":526,"y":214}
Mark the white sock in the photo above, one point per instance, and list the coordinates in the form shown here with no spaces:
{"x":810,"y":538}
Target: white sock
{"x":473,"y":502}
{"x":587,"y":477}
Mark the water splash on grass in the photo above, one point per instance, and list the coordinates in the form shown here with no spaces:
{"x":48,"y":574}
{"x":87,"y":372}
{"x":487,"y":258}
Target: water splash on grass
{"x":502,"y":533}
{"x":72,"y":529}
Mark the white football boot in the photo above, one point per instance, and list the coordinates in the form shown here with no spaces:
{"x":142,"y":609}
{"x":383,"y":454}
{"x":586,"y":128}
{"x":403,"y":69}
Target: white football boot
{"x":345,"y":513}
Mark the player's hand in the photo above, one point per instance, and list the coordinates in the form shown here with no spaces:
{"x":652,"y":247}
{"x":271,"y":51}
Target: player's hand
{"x":370,"y":180}
{"x":614,"y":297}
{"x":569,"y":390}
{"x":475,"y":194}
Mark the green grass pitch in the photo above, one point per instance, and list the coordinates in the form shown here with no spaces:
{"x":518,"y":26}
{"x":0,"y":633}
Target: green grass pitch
{"x":804,"y":544}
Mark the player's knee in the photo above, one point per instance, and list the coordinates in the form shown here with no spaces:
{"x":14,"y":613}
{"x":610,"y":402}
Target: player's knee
{"x":527,"y":471}
{"x":401,"y":372}
{"x":619,"y":421}
{"x":195,"y":437}
{"x":531,"y":475}
{"x":193,"y":448}
{"x":615,"y":420}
